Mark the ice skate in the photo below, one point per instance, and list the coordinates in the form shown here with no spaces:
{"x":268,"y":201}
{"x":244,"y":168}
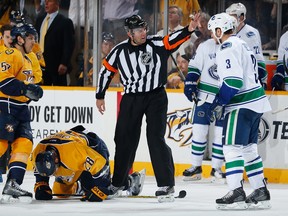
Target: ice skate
{"x":12,"y":193}
{"x":114,"y":191}
{"x":194,"y":173}
{"x":165,"y":194}
{"x":218,"y":176}
{"x":136,"y":183}
{"x":234,"y":199}
{"x":259,"y":199}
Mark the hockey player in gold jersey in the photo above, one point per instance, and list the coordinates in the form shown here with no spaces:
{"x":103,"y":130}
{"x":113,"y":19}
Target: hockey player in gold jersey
{"x":16,"y":91}
{"x":79,"y":160}
{"x":36,"y":55}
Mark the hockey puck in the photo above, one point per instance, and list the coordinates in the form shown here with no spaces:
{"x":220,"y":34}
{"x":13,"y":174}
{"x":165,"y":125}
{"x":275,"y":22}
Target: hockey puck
{"x":182,"y":194}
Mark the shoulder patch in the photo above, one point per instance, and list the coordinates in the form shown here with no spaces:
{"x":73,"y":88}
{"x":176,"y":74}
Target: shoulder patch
{"x":9,"y":51}
{"x":225,"y":45}
{"x":250,"y":34}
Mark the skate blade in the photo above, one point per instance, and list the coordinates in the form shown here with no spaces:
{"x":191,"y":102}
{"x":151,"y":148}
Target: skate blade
{"x":218,"y":180}
{"x":260,"y":205}
{"x":232,"y":206}
{"x":112,"y":196}
{"x":195,"y":177}
{"x":8,"y":199}
{"x":166,"y":198}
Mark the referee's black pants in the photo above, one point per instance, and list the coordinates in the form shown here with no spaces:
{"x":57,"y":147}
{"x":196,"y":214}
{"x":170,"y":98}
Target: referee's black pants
{"x":132,"y":109}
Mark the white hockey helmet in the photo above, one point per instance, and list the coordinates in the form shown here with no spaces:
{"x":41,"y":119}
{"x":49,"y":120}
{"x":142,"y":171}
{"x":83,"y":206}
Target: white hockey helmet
{"x":237,"y":9}
{"x":222,"y":21}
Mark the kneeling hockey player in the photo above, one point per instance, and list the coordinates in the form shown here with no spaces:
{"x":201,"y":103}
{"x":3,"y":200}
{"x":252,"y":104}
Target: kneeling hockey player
{"x":79,"y":160}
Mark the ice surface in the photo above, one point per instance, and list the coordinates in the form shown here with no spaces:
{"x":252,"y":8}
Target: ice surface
{"x":200,"y":201}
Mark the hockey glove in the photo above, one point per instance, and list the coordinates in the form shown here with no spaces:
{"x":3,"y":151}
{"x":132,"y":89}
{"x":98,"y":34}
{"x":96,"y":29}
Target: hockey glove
{"x":215,"y":111}
{"x":190,"y":90}
{"x":42,"y":191}
{"x":96,"y":194}
{"x":34,"y":92}
{"x":277,"y":81}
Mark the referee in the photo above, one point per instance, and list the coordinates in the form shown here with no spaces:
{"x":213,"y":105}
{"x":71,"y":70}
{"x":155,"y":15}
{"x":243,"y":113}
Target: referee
{"x":141,"y":61}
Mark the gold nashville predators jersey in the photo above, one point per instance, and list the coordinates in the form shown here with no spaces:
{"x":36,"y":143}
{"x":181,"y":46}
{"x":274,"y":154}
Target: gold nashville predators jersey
{"x":35,"y":67}
{"x":75,"y":155}
{"x":2,"y":46}
{"x":14,"y":65}
{"x":37,"y":50}
{"x":1,"y":41}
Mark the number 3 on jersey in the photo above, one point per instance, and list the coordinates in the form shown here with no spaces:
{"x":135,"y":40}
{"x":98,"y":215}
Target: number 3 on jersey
{"x":254,"y":62}
{"x":228,"y":64}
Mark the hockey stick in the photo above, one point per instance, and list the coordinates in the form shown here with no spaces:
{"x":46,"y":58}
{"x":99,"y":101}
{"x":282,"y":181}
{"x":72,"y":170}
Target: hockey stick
{"x":67,"y":195}
{"x":181,"y":195}
{"x":280,"y":110}
{"x":285,"y":64}
{"x":178,"y":69}
{"x":271,"y":93}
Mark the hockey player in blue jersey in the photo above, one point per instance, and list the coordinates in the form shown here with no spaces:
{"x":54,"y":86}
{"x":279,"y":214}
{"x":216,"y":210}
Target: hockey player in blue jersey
{"x":244,"y":100}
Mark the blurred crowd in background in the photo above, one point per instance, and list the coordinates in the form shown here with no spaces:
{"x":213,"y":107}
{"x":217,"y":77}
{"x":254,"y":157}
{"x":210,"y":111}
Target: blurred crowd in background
{"x":264,"y":15}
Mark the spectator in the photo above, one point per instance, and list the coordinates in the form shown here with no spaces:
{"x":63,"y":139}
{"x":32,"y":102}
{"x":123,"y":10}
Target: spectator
{"x":188,"y":7}
{"x":6,"y":7}
{"x":175,"y":18}
{"x":176,"y":77}
{"x":202,"y":33}
{"x":108,"y":42}
{"x":114,"y":14}
{"x":57,"y":42}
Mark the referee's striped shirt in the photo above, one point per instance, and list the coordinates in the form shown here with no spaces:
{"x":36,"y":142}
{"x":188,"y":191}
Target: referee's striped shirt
{"x":142,"y":68}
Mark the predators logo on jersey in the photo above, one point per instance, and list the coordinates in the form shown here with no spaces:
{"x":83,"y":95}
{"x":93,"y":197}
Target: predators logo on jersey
{"x":9,"y":51}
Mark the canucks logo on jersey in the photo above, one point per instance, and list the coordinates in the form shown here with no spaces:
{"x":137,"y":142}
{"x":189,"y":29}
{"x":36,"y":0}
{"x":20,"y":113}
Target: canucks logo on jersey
{"x":213,"y":72}
{"x":250,"y":34}
{"x":225,"y":45}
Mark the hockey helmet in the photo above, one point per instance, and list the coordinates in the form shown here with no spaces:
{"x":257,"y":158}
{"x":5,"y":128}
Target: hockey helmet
{"x":238,"y":9}
{"x":133,"y":22}
{"x":16,"y":17}
{"x":222,"y":21}
{"x":47,"y":162}
{"x":22,"y":30}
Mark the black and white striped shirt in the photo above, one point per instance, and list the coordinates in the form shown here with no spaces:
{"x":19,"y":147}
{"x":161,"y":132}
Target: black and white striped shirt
{"x":142,"y":68}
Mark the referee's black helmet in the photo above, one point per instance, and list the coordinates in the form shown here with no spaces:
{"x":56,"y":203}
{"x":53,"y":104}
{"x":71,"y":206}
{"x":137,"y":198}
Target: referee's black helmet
{"x":133,"y":22}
